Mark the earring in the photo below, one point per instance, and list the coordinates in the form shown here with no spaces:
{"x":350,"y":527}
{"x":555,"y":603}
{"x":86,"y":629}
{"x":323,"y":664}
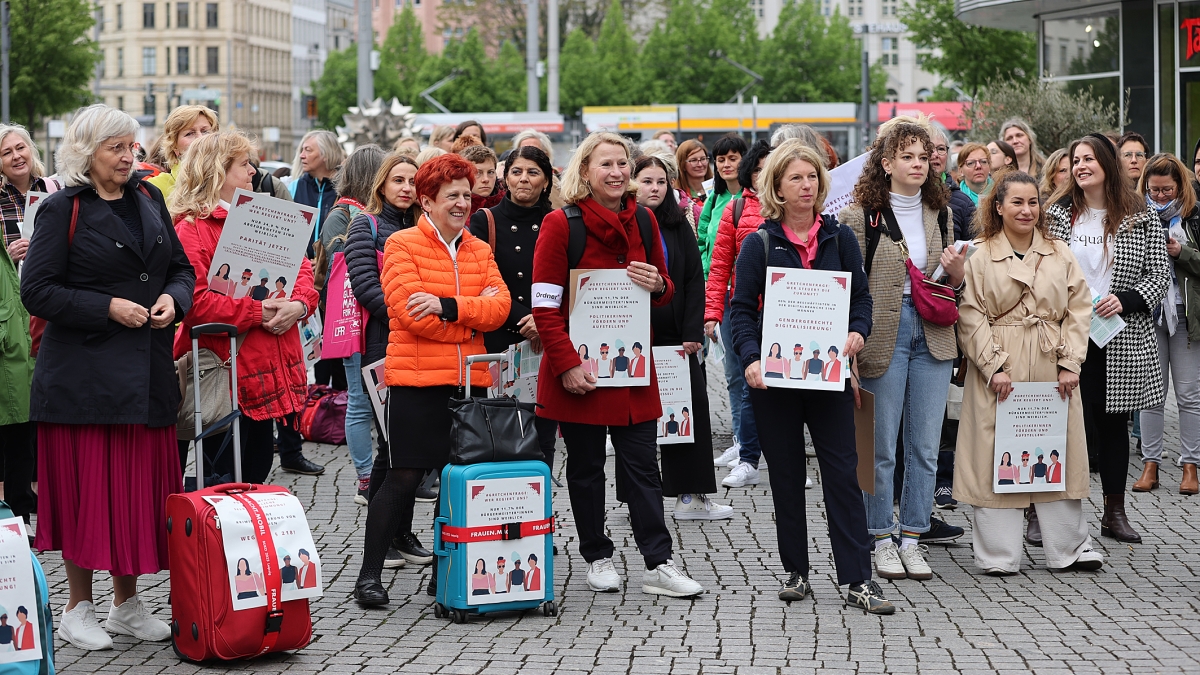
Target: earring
{"x":887,"y":175}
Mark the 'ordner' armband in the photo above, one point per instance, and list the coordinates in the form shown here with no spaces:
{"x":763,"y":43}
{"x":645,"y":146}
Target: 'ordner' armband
{"x":547,"y":295}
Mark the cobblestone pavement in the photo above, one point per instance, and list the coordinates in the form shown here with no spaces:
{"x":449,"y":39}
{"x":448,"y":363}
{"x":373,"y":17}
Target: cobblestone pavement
{"x":1138,"y":615}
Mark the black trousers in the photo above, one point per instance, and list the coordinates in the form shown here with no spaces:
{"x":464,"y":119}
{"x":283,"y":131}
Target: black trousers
{"x":16,"y":446}
{"x":547,"y":431}
{"x":781,"y":415}
{"x":258,"y":448}
{"x":687,"y":468}
{"x":637,"y":468}
{"x":330,"y":372}
{"x":1107,"y":433}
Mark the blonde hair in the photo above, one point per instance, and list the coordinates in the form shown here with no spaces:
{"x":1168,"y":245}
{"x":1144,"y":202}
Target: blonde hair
{"x":327,"y":144}
{"x":429,"y":153}
{"x":92,"y":126}
{"x":404,"y":140}
{"x":375,"y":200}
{"x":1050,"y":172}
{"x":440,"y":133}
{"x":575,"y":187}
{"x":542,"y":139}
{"x":201,"y":174}
{"x":771,"y":206}
{"x":1169,"y":166}
{"x":36,"y":168}
{"x":180,"y":119}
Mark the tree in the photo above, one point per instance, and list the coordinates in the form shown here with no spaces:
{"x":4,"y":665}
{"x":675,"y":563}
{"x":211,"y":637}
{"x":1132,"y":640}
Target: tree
{"x":969,"y":55}
{"x":678,"y":64}
{"x":52,"y":60}
{"x":483,"y":84}
{"x":337,"y":88}
{"x":1055,"y":114}
{"x":811,"y":58}
{"x":617,"y":55}
{"x":578,"y":73}
{"x":403,"y":53}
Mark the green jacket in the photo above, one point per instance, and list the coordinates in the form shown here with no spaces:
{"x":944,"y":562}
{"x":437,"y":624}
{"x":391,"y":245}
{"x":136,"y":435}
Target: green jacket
{"x":710,"y":218}
{"x":1187,"y":270}
{"x":16,"y":364}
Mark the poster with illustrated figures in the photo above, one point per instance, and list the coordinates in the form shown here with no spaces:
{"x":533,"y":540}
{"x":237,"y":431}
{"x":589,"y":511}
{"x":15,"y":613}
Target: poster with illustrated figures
{"x":674,"y":375}
{"x":19,"y":637}
{"x":1031,"y":440}
{"x":295,"y":552}
{"x":610,"y":327}
{"x":806,"y":317}
{"x":505,"y":571}
{"x":261,"y":248}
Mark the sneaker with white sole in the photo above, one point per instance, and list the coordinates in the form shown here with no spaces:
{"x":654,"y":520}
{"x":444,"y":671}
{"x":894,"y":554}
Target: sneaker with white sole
{"x":1089,"y":560}
{"x":732,"y":464}
{"x":602,"y":576}
{"x":808,"y":483}
{"x":868,"y":596}
{"x":132,"y":617}
{"x":364,"y":489}
{"x":887,"y":562}
{"x":667,"y":579}
{"x":700,"y":507}
{"x":80,"y":627}
{"x":731,"y":453}
{"x":742,"y":475}
{"x":915,"y":566}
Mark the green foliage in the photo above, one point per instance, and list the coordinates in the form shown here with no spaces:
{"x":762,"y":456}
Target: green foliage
{"x":969,"y":55}
{"x":51,"y":60}
{"x":617,"y":59}
{"x":1057,"y":115}
{"x":577,"y":70}
{"x":809,"y":59}
{"x":337,"y":88}
{"x":403,"y":53}
{"x":677,"y":64}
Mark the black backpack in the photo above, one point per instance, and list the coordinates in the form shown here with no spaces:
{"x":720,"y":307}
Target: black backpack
{"x":889,"y":218}
{"x":577,"y":239}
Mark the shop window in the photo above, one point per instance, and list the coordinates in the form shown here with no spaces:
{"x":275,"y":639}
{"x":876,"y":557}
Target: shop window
{"x":1087,"y":45}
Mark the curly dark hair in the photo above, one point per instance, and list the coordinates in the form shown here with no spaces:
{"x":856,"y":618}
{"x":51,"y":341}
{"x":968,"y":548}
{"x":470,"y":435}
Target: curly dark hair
{"x":988,"y":223}
{"x":874,"y":185}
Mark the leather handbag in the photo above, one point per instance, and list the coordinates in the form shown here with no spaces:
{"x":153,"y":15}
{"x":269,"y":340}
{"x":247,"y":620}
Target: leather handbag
{"x":935,"y":302}
{"x":215,"y":400}
{"x":491,"y":429}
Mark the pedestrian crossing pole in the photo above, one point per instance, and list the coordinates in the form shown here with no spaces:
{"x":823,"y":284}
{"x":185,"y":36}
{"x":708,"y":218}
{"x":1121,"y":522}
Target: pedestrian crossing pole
{"x":5,"y":46}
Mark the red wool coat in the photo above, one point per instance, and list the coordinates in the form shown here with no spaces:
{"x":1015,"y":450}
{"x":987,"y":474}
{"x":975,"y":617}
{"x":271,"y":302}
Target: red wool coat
{"x":272,"y":379}
{"x":609,"y":236}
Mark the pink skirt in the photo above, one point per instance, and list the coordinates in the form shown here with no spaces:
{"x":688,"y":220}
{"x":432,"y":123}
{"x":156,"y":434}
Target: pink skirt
{"x":102,"y":494}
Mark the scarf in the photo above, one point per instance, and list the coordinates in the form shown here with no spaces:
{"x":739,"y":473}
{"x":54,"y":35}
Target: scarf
{"x":1172,"y":222}
{"x":971,"y":193}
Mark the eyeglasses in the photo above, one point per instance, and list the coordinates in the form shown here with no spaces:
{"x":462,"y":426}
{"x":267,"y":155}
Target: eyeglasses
{"x":940,"y":149}
{"x":120,"y":148}
{"x":1162,"y":192}
{"x":976,"y":163}
{"x":696,"y":161}
{"x":1131,"y":155}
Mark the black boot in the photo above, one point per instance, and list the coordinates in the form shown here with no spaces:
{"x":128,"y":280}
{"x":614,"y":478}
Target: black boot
{"x":1033,"y":534}
{"x":369,"y":592}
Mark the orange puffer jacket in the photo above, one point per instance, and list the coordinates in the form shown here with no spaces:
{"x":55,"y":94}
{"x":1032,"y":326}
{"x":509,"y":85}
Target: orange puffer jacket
{"x":431,"y":352}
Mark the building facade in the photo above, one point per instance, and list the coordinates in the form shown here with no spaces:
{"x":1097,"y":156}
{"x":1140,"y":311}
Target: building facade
{"x":384,"y":13}
{"x":309,"y":34}
{"x":341,"y":24}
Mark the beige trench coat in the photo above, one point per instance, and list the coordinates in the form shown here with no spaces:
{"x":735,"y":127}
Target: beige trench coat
{"x":1048,"y":330}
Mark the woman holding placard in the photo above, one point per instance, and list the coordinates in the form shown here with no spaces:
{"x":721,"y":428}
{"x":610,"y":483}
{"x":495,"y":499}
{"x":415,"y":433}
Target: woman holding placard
{"x":1024,"y":317}
{"x":23,"y":172}
{"x":1122,"y":251}
{"x":792,"y":189}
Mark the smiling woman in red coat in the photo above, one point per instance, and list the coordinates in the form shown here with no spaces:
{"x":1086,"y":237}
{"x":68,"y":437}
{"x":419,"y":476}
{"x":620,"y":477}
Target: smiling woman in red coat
{"x":597,"y":181}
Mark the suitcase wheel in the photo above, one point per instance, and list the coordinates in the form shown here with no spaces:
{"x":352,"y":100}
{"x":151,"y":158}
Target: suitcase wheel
{"x":168,"y":524}
{"x":438,"y":610}
{"x":187,"y":527}
{"x":460,"y":616}
{"x":549,"y":609}
{"x":175,"y":628}
{"x":195,"y":632}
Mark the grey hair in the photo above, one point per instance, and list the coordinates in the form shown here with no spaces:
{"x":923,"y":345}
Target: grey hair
{"x":805,"y":134}
{"x":92,"y":126}
{"x":356,"y":176}
{"x":37,"y":169}
{"x":668,"y":160}
{"x":327,"y":144}
{"x":542,"y":139}
{"x":654,"y":147}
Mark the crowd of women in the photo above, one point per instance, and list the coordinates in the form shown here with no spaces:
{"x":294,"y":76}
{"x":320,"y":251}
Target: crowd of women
{"x":454,"y":251}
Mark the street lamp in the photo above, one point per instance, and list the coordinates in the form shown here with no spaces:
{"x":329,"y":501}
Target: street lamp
{"x":438,"y":85}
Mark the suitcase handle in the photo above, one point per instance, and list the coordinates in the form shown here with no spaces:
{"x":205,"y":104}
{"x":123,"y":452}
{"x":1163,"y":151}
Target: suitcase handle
{"x":439,"y":546}
{"x":478,"y":358}
{"x":227,"y":488}
{"x":214,"y":329}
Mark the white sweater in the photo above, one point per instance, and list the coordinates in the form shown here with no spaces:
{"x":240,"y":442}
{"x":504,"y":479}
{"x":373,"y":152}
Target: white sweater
{"x":911,"y":219}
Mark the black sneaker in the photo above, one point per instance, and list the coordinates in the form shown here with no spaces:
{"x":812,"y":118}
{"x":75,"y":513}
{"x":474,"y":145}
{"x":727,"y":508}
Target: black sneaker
{"x":941,"y":532}
{"x":867,"y":596}
{"x":411,"y":550}
{"x":393,"y":560}
{"x":425,"y":491}
{"x":303,"y":466}
{"x":364,"y":489}
{"x":943,"y":498}
{"x":795,"y":588}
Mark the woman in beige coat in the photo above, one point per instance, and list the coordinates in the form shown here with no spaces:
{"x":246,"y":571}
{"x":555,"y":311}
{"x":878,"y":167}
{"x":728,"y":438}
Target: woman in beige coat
{"x":1024,"y":317}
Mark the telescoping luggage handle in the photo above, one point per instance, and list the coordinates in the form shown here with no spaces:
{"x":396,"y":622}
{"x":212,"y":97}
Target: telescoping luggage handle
{"x":234,"y":415}
{"x":478,"y":358}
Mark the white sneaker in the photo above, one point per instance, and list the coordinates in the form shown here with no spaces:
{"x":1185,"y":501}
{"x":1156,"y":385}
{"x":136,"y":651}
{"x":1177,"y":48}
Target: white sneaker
{"x":133,"y":617}
{"x":609,"y":449}
{"x":80,"y":627}
{"x":700,"y":507}
{"x":742,"y":475}
{"x":808,"y":484}
{"x":914,"y":562}
{"x":667,"y":579}
{"x":731,"y":453}
{"x":887,"y":562}
{"x":732,"y":464}
{"x":602,"y":576}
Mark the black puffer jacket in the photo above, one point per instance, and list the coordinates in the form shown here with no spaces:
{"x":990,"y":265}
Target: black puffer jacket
{"x":963,"y":210}
{"x":362,"y":264}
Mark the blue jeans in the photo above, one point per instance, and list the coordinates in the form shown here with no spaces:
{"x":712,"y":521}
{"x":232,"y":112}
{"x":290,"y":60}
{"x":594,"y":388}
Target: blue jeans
{"x":735,"y":376}
{"x":359,"y":416}
{"x":914,"y":387}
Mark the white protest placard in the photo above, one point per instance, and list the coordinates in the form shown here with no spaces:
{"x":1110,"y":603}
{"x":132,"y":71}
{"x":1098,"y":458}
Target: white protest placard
{"x":20,"y":639}
{"x":610,"y":327}
{"x":505,"y":571}
{"x":300,"y":566}
{"x":311,"y":330}
{"x":841,"y":183}
{"x":378,"y":391}
{"x":806,"y":317}
{"x":33,"y":202}
{"x":1031,"y":440}
{"x":261,"y":248}
{"x":1104,"y":329}
{"x":674,"y":375}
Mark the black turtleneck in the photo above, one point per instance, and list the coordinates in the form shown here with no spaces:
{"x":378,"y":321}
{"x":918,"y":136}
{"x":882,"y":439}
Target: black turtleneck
{"x":516,"y":233}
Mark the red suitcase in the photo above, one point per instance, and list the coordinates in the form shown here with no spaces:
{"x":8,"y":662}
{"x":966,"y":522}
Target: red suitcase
{"x":203,"y":623}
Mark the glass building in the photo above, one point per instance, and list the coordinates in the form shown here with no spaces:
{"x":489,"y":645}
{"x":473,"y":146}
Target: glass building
{"x":1143,"y":53}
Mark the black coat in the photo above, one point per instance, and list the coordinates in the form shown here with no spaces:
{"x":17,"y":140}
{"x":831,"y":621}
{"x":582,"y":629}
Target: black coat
{"x":321,"y":196}
{"x":963,"y":209}
{"x":516,"y":234}
{"x":91,"y":369}
{"x":362,"y":265}
{"x":681,"y":320}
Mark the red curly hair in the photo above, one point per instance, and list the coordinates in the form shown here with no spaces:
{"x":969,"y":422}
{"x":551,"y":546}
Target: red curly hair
{"x":441,"y":170}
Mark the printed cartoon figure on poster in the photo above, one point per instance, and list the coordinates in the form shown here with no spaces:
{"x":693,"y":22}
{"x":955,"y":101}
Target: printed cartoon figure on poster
{"x":287,"y":572}
{"x":588,"y":364}
{"x":808,"y":309}
{"x":501,"y":571}
{"x":19,"y":638}
{"x":264,"y":237}
{"x":307,"y":575}
{"x":245,"y":287}
{"x":23,"y":638}
{"x":1006,"y":473}
{"x":220,"y":283}
{"x":533,"y":575}
{"x":832,"y":371}
{"x":670,"y":427}
{"x":774,"y":365}
{"x":482,"y":583}
{"x":246,"y":582}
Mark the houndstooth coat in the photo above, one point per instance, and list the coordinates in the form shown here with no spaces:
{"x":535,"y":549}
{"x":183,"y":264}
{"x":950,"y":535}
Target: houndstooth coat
{"x":1141,"y":265}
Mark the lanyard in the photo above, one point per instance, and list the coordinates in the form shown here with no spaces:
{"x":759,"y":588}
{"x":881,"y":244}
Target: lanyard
{"x":320,"y":201}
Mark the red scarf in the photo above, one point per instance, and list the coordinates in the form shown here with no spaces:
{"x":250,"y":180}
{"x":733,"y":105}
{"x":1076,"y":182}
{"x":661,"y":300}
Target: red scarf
{"x":614,"y":229}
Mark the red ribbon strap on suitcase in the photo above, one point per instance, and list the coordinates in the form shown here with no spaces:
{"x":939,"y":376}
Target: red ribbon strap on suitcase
{"x":501,"y":532}
{"x":266,"y":549}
